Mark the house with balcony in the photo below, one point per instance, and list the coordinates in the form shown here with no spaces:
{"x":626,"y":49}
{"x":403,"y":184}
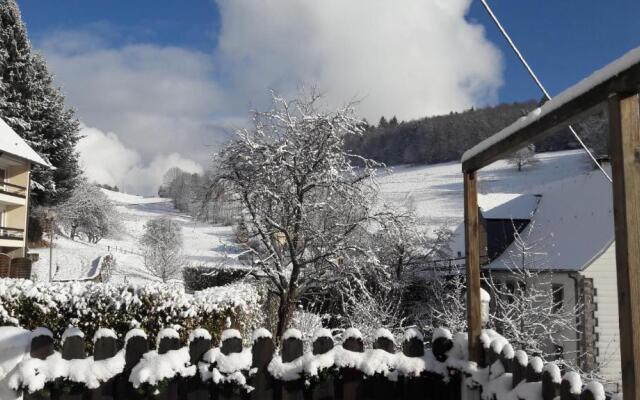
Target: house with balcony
{"x":16,"y":161}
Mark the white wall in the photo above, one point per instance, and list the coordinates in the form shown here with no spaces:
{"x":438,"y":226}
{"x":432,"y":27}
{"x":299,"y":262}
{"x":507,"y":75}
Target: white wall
{"x":603,"y":273}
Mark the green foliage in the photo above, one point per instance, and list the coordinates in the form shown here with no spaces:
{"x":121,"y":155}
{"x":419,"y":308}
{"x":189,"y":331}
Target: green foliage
{"x":34,"y":108}
{"x":90,"y":306}
{"x":202,"y":277}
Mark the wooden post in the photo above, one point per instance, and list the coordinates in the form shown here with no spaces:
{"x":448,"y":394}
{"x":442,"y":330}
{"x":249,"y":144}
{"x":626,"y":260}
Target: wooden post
{"x":165,"y":345}
{"x":41,"y":348}
{"x":104,"y":348}
{"x":262,"y":353}
{"x":135,"y":347}
{"x":292,"y":349}
{"x":193,"y":388}
{"x":323,"y":390}
{"x":379,"y":386}
{"x":73,"y":349}
{"x":624,"y":120}
{"x":472,"y":249}
{"x":413,"y":346}
{"x":230,"y":392}
{"x":352,"y":386}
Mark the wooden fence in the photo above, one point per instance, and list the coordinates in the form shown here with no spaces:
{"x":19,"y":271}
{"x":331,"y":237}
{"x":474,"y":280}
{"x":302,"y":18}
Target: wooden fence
{"x":440,"y":373}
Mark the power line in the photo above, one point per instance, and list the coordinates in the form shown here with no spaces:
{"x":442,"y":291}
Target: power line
{"x":537,"y":81}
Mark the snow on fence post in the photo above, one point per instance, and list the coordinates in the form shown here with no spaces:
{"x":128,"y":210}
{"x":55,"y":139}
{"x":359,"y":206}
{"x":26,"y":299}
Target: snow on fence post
{"x":442,"y":342}
{"x":550,"y":382}
{"x":231,"y":343}
{"x":105,"y":346}
{"x":72,"y":349}
{"x":291,"y":350}
{"x":193,"y":387}
{"x":323,"y":343}
{"x":41,"y":348}
{"x":520,"y":362}
{"x":506,"y":357}
{"x":413,"y":346}
{"x":534,"y":370}
{"x":169,"y":339}
{"x":380,"y":387}
{"x":571,"y":386}
{"x":261,"y":354}
{"x":136,"y":345}
{"x":593,"y":391}
{"x":352,"y":387}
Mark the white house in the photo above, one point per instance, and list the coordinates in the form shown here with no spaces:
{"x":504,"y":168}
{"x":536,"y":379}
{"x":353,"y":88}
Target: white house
{"x":570,"y":221}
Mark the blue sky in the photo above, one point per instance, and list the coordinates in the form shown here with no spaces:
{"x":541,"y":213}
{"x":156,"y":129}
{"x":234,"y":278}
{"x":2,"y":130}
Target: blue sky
{"x":163,"y":83}
{"x":564,"y":40}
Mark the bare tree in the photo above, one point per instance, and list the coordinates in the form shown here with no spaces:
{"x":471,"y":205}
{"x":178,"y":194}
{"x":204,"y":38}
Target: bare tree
{"x":523,"y":157}
{"x":161,"y":245}
{"x":307,"y":201}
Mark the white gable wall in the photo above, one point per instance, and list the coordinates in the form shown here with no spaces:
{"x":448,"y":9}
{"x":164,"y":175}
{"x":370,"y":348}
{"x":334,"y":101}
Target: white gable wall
{"x":603,"y":272}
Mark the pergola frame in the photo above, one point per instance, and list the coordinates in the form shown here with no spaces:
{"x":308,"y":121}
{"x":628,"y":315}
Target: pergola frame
{"x":616,"y":86}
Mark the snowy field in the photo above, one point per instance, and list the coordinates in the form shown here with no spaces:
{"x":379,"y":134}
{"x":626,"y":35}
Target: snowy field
{"x":436,"y":192}
{"x":204,"y":244}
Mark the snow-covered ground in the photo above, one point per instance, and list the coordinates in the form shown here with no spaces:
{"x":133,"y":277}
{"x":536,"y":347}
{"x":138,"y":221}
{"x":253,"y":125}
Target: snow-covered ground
{"x":436,"y":191}
{"x":204,"y":244}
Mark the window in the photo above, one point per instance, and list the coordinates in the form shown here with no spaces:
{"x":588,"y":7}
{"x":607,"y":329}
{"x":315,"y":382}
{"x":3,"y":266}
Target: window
{"x":558,"y":297}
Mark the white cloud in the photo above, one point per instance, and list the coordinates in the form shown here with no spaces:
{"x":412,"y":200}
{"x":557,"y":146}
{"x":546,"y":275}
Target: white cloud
{"x":411,"y":58}
{"x":105,"y":159}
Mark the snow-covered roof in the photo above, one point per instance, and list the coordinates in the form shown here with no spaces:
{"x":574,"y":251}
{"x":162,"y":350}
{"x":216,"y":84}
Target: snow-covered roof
{"x":508,"y":205}
{"x":12,"y":143}
{"x":572,"y":225}
{"x":611,"y":70}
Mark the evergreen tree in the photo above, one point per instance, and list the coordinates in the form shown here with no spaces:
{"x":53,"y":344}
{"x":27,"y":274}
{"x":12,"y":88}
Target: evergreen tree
{"x":34,"y":108}
{"x":383,"y":122}
{"x":393,"y":122}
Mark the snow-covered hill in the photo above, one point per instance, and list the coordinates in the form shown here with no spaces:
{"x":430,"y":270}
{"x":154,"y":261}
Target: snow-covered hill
{"x":204,"y":244}
{"x":435,"y":191}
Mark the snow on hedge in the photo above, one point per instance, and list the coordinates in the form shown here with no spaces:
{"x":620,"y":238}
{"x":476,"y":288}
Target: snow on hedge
{"x":88,"y":305}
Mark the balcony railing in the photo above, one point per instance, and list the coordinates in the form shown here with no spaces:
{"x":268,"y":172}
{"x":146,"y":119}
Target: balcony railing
{"x":11,"y":233}
{"x":13,"y":190}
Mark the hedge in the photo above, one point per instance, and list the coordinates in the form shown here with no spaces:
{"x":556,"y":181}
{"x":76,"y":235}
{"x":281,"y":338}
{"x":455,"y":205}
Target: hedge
{"x":89,"y":305}
{"x":201,"y":277}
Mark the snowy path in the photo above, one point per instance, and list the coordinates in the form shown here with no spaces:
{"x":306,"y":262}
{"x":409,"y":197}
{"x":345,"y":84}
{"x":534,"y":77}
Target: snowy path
{"x":204,"y":244}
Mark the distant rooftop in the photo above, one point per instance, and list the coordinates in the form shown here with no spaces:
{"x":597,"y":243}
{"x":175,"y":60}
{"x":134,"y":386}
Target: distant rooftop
{"x":508,"y":205}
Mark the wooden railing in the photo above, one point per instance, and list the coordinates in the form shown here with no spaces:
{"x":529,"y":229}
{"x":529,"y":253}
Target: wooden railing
{"x":11,"y":233}
{"x":13,"y":190}
{"x":326,"y":371}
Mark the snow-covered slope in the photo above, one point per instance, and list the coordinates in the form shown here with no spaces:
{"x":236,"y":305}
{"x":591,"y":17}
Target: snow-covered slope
{"x":436,"y":191}
{"x":204,"y":244}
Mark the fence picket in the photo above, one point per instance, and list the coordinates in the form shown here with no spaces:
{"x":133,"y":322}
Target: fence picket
{"x":135,"y":347}
{"x":380,"y":387}
{"x":323,"y":390}
{"x":229,"y":392}
{"x":550,"y":389}
{"x":413,"y":346}
{"x":72,"y":349}
{"x":352,"y":388}
{"x":105,"y":347}
{"x":165,"y":345}
{"x":291,"y":349}
{"x":534,"y":370}
{"x":520,"y":362}
{"x":262,"y":353}
{"x":570,"y":387}
{"x":193,"y":388}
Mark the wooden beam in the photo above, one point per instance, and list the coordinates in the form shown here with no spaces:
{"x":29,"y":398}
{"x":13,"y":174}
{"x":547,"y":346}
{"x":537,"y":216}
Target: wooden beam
{"x":624,"y":117}
{"x":472,"y":246}
{"x":567,"y":113}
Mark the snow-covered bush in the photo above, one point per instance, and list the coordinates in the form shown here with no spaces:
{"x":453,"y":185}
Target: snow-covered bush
{"x":90,"y":306}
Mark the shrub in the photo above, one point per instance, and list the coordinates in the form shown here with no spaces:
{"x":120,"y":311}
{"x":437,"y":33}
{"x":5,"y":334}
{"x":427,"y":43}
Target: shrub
{"x":152,"y":307}
{"x":202,"y":277}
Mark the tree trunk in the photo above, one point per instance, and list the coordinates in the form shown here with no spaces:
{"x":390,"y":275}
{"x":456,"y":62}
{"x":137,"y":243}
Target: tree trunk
{"x":284,"y":313}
